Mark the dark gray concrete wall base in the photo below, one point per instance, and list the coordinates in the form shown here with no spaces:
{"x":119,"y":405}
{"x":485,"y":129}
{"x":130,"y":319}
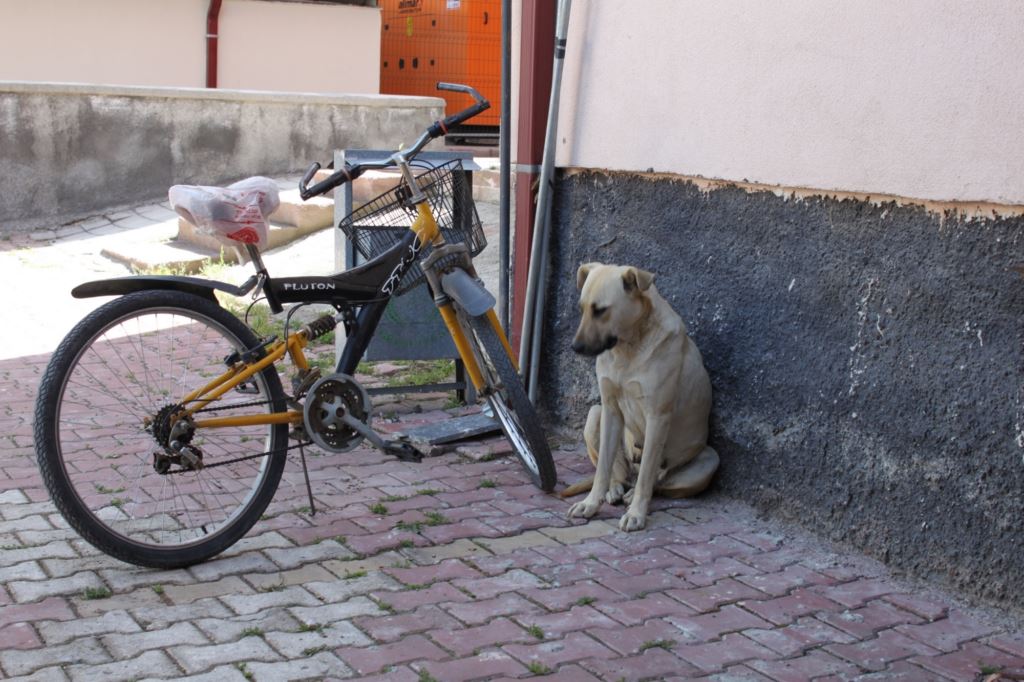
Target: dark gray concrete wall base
{"x":867,"y":360}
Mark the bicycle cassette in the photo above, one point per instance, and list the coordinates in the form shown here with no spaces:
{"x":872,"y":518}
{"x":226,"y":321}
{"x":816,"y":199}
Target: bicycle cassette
{"x":329,"y":401}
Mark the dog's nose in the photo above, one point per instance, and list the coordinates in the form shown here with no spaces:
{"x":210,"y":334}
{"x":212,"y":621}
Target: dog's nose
{"x":578,"y":347}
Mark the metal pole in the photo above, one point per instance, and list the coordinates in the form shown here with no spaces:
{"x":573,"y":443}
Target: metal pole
{"x":529,"y":355}
{"x":505,"y":161}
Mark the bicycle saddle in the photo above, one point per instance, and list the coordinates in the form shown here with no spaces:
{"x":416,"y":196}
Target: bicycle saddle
{"x":237,"y":212}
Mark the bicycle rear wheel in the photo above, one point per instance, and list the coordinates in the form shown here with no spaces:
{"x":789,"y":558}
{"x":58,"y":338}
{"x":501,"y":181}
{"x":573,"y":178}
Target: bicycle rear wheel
{"x":511,"y":406}
{"x":106,"y":416}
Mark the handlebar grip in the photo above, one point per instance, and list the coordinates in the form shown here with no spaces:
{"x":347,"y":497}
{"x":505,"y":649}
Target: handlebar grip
{"x":339,"y":177}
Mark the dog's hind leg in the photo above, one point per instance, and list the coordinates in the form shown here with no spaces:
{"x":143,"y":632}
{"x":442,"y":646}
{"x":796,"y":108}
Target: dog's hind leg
{"x":691,"y":478}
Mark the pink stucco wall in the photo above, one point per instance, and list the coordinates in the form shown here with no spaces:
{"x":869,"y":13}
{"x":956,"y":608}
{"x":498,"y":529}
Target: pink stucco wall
{"x":918,"y":98}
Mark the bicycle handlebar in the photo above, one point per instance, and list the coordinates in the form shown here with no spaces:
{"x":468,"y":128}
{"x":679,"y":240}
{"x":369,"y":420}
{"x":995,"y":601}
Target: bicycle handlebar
{"x":440,"y":127}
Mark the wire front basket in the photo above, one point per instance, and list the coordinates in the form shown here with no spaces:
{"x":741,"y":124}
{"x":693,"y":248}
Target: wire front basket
{"x":378,"y":225}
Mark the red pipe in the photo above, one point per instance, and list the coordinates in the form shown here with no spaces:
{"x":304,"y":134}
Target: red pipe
{"x":538,"y":55}
{"x":212,"y":27}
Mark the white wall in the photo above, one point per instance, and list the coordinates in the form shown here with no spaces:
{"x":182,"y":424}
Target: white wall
{"x":918,"y":98}
{"x":263,"y":45}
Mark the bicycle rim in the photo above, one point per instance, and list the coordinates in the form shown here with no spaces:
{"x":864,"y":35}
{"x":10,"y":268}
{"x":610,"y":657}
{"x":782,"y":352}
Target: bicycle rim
{"x":109,"y":390}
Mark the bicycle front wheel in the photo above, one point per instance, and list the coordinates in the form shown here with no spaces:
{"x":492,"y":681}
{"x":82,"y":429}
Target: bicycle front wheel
{"x":109,"y":442}
{"x":510,"y":404}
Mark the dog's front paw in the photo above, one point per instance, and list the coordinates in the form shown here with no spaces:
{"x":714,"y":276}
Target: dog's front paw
{"x":585,"y":509}
{"x":615,"y":493}
{"x":631,"y":521}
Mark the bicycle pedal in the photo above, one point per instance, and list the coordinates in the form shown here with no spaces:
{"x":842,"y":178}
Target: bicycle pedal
{"x":403,"y":451}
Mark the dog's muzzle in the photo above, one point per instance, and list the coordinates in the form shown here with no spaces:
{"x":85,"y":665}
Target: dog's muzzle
{"x":594,"y":349}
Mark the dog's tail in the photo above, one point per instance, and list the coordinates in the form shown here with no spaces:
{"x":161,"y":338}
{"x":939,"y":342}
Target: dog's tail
{"x":578,"y":487}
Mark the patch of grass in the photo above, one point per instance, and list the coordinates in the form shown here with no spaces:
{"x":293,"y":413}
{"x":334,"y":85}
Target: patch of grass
{"x":409,"y":526}
{"x":436,"y":518}
{"x":989,"y":669}
{"x":536,"y":631}
{"x":353,"y":575}
{"x":366,"y":368}
{"x":244,"y":669}
{"x":276,"y":587}
{"x":394,"y":498}
{"x":406,"y":544}
{"x":385,"y":606}
{"x":423,"y":372}
{"x":538,"y":668}
{"x":118,"y":502}
{"x":104,"y":490}
{"x":665,"y":644}
{"x":488,"y":483}
{"x":340,"y":539}
{"x":96,"y":593}
{"x":252,"y":632}
{"x":428,"y":491}
{"x":426,"y":676}
{"x":585,"y":601}
{"x":313,"y":627}
{"x":159,"y":589}
{"x":379,"y":509}
{"x":314,"y":650}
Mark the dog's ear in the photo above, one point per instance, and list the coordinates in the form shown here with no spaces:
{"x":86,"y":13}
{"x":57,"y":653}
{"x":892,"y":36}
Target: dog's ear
{"x":635,"y":278}
{"x":582,"y":272}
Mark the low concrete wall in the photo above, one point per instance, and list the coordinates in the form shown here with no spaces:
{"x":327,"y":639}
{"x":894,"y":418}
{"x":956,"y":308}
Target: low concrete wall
{"x":866,"y":359}
{"x":72,"y":149}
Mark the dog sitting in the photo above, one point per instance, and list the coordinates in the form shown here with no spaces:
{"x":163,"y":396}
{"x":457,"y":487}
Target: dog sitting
{"x":652,"y":422}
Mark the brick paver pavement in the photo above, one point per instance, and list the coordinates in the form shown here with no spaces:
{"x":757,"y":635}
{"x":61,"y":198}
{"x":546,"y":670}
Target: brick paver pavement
{"x":467,"y":573}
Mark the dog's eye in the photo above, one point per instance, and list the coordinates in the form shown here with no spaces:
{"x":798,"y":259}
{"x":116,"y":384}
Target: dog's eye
{"x":599,"y":310}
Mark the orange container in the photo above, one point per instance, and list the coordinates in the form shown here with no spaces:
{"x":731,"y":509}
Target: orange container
{"x":459,"y":41}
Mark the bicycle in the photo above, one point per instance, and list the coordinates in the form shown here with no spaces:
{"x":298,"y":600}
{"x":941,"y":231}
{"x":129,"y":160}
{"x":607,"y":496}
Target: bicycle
{"x":161,"y":425}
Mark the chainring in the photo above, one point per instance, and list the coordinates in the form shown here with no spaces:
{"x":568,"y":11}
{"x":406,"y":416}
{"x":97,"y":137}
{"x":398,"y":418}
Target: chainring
{"x":327,"y":401}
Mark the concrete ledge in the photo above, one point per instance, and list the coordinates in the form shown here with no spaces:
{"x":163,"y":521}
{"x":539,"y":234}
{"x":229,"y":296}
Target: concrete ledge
{"x":71,"y":149}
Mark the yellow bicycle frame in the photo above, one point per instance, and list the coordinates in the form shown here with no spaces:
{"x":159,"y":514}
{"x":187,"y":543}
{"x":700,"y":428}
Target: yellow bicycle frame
{"x":427,"y":232}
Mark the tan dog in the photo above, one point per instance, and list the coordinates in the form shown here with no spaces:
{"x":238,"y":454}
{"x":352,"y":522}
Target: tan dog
{"x":655,"y":395}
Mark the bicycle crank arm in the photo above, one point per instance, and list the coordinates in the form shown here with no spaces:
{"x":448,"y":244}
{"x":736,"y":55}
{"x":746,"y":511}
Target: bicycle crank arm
{"x":403,"y":451}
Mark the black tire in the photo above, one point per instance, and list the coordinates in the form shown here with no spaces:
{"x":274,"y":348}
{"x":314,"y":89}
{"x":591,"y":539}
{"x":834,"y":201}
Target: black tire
{"x":510,"y":403}
{"x":97,"y":438}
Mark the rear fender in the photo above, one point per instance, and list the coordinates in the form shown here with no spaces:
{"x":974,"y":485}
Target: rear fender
{"x":126,"y":285}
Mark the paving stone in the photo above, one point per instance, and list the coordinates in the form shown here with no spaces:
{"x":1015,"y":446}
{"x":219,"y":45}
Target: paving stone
{"x":439,"y":593}
{"x":369,"y":564}
{"x":901,"y":671}
{"x":230,"y":585}
{"x":482,"y":610}
{"x":858,"y":592}
{"x":293,"y":595}
{"x":151,"y":663}
{"x":481,"y":666}
{"x":372,"y":659}
{"x":784,"y":610}
{"x":715,"y":656}
{"x":1010,"y":643}
{"x":220,"y":630}
{"x":581,"y":593}
{"x":340,"y":590}
{"x":637,"y":611}
{"x":781,"y":582}
{"x":132,"y":578}
{"x":448,"y":569}
{"x":33,"y":590}
{"x":85,"y":650}
{"x":929,"y":609}
{"x":867,"y":620}
{"x":876,"y":654}
{"x":194,"y":659}
{"x":293,"y":557}
{"x":336,"y":611}
{"x":463,"y":642}
{"x":798,"y":637}
{"x":124,"y":646}
{"x":637,"y":638}
{"x":252,"y":562}
{"x":707,"y":574}
{"x":388,"y":628}
{"x":20,"y":636}
{"x":531,"y":539}
{"x":486,"y":588}
{"x":571,"y":535}
{"x":969,"y":661}
{"x":297,"y":576}
{"x":708,"y":626}
{"x":458,"y":549}
{"x":950,"y":632}
{"x":812,"y":665}
{"x":317,"y":667}
{"x":160,"y":615}
{"x":554,"y":625}
{"x":726,"y":591}
{"x":653,"y":664}
{"x":331,"y":636}
{"x":51,"y":608}
{"x":59,"y":632}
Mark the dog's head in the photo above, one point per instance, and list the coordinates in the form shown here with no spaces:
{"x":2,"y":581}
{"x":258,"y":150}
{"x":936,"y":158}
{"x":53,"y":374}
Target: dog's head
{"x":613,"y":300}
